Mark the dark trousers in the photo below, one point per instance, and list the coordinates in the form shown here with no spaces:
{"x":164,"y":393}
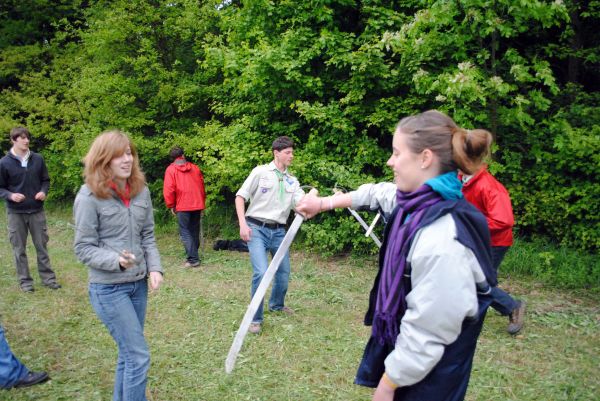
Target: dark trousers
{"x":447,"y":381}
{"x":19,"y":225}
{"x":189,"y":232}
{"x":501,"y":301}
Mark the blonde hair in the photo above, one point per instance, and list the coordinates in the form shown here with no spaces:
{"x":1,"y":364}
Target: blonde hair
{"x":454,"y":146}
{"x":97,"y":171}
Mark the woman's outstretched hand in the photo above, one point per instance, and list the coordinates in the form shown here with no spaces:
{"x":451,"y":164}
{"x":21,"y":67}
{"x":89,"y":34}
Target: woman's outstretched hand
{"x":309,"y":205}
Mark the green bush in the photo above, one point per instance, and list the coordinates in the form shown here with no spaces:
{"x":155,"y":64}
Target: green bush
{"x":552,"y":177}
{"x":223,"y":79}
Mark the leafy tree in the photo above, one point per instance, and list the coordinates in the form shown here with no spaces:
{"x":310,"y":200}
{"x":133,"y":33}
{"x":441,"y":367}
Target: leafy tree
{"x":223,"y":78}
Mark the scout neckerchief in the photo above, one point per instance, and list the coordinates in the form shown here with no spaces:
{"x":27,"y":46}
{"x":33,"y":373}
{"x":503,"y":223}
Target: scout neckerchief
{"x":281,"y":185}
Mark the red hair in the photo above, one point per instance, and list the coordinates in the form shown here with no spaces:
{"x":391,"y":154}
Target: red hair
{"x":97,"y":171}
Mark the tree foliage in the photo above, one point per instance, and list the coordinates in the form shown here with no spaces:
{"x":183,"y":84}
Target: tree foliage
{"x":223,"y":78}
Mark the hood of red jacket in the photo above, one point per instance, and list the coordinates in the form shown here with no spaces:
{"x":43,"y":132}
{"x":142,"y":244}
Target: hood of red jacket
{"x":182,"y":165}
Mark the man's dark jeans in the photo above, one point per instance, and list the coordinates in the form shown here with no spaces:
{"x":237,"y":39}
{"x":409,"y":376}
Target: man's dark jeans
{"x":189,"y":232}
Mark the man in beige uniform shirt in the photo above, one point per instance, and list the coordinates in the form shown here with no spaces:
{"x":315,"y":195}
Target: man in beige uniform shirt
{"x":272,"y":193}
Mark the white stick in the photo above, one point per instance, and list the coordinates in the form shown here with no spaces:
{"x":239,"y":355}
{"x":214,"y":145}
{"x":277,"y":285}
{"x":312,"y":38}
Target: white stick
{"x":365,"y":226}
{"x":260,"y":293}
{"x":370,"y":230}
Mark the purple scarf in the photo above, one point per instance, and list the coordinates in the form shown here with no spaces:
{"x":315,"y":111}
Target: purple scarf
{"x":391,"y":294}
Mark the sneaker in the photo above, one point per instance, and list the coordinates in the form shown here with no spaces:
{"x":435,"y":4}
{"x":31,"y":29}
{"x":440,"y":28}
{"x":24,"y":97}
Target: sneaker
{"x":254,"y":328}
{"x":54,"y":286}
{"x":189,"y":265}
{"x":516,"y":319}
{"x":287,"y":310}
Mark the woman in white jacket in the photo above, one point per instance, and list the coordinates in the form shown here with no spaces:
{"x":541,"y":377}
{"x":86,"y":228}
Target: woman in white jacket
{"x":430,"y":295}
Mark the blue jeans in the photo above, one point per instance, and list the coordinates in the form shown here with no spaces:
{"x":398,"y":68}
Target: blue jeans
{"x":189,"y":232}
{"x":11,"y":369}
{"x":263,"y":240}
{"x":122,"y":309}
{"x":501,"y":301}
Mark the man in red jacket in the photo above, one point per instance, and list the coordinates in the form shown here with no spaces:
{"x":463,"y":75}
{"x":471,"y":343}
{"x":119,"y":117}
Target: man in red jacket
{"x":492,"y":199}
{"x":184,"y":194}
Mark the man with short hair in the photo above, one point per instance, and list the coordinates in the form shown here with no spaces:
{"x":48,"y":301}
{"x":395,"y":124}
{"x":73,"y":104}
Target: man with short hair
{"x":184,"y":194}
{"x":272,"y":192}
{"x":24,"y":184}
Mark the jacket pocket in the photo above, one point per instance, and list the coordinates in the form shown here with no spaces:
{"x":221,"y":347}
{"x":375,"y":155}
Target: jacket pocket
{"x":109,"y":210}
{"x":265,"y":185}
{"x":110,"y":216}
{"x":139,"y":209}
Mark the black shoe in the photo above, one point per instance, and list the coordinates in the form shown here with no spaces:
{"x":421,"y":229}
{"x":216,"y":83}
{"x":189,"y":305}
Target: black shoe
{"x":27,"y":289}
{"x":32,"y":378}
{"x":54,"y":286}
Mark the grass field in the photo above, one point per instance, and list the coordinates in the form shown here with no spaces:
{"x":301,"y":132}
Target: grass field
{"x":311,"y":355}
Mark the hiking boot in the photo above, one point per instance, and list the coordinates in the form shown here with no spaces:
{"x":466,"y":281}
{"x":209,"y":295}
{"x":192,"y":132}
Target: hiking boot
{"x":254,"y":328}
{"x":516,"y":318}
{"x":27,"y":289}
{"x":53,"y":285}
{"x":189,"y":265}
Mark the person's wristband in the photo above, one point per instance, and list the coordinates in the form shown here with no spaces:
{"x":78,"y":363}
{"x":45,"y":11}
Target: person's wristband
{"x":320,"y":204}
{"x":389,"y":381}
{"x":331,"y":203}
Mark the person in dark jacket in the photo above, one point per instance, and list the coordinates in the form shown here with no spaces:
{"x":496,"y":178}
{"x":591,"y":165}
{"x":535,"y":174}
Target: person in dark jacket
{"x":24,"y":184}
{"x":184,"y":194}
{"x":13,"y":373}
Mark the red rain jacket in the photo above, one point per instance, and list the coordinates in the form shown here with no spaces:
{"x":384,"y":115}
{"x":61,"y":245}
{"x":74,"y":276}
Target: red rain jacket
{"x":492,"y":199}
{"x":183,"y":187}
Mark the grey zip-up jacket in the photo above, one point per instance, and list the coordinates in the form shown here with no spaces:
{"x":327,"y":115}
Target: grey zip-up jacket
{"x":105,"y":227}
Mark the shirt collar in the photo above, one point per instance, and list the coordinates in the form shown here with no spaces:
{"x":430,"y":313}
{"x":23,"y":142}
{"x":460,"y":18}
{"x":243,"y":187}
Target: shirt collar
{"x":272,"y":166}
{"x":466,"y":179}
{"x":25,"y":158}
{"x":125,"y":196}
